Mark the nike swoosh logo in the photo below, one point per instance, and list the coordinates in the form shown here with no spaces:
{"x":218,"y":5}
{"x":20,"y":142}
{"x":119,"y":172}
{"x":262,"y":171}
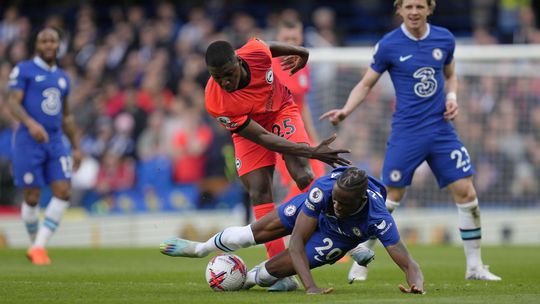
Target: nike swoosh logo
{"x":40,"y":78}
{"x":404,"y":58}
{"x":382,"y":225}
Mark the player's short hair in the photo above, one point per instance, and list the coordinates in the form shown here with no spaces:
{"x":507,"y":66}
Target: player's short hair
{"x":219,"y":53}
{"x":431,"y":4}
{"x":40,"y":30}
{"x":353,"y":179}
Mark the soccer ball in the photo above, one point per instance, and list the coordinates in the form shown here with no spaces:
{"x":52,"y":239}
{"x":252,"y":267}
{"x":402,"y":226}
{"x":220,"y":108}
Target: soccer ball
{"x":226,"y":272}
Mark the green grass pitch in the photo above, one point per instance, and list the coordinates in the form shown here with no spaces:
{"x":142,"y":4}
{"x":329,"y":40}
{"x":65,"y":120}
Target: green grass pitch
{"x":128,"y":275}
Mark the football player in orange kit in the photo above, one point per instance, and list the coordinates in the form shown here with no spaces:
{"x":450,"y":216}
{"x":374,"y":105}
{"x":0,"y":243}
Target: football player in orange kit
{"x":246,"y":98}
{"x":290,"y":31}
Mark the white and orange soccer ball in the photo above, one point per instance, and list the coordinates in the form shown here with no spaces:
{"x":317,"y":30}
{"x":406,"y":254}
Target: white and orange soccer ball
{"x":226,"y":272}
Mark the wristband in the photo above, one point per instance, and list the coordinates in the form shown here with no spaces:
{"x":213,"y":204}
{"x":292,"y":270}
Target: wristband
{"x":451,"y":95}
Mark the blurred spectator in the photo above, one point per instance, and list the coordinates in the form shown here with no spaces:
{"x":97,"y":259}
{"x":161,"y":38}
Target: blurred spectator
{"x":115,"y":173}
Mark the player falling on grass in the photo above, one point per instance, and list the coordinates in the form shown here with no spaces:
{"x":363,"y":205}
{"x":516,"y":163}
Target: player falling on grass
{"x":41,"y":154}
{"x":246,"y":99}
{"x":340,"y":210}
{"x":291,"y":32}
{"x":420,"y":60}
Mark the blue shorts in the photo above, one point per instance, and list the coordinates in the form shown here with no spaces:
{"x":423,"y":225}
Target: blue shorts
{"x":323,"y":247}
{"x":38,"y":164}
{"x":443,"y":151}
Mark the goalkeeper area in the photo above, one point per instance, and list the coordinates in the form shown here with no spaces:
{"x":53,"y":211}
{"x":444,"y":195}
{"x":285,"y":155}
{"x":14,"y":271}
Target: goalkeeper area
{"x":143,"y":275}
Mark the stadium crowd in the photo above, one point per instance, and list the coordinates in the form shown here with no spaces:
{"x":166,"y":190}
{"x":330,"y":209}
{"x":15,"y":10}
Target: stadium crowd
{"x":138,"y":76}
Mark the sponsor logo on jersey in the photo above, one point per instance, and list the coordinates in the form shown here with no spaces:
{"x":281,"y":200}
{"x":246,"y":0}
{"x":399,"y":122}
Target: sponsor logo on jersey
{"x":52,"y":104}
{"x":335,"y":174}
{"x":395,"y":175}
{"x":269,"y":76}
{"x":226,"y":122}
{"x":290,"y":210}
{"x":28,"y":178}
{"x":309,"y":205}
{"x":62,"y":83}
{"x":437,"y":54}
{"x":384,"y":227}
{"x":316,"y":195}
{"x":405,"y":58}
{"x":381,"y":225}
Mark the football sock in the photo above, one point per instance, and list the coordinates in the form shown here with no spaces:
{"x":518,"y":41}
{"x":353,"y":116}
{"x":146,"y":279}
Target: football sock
{"x":30,"y":217}
{"x":276,"y":246}
{"x":471,"y":232}
{"x":263,"y":278}
{"x":53,"y":214}
{"x":230,"y":239}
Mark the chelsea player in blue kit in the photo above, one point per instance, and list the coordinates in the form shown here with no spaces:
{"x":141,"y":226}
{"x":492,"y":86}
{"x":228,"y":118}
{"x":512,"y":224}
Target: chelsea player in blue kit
{"x":340,"y":211}
{"x":419,"y":58}
{"x":41,"y":154}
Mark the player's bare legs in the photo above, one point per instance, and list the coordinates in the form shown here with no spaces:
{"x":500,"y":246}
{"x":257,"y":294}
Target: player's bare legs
{"x":466,"y":200}
{"x":393,"y":199}
{"x":258,"y":184}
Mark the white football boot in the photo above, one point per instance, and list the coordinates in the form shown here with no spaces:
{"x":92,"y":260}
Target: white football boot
{"x":481,"y":273}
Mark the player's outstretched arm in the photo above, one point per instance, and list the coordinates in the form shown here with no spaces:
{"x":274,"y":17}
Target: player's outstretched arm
{"x":36,"y":130}
{"x":356,"y":97}
{"x":303,"y":229}
{"x":296,"y":59}
{"x":68,"y":125}
{"x":399,"y":253}
{"x":259,"y":135}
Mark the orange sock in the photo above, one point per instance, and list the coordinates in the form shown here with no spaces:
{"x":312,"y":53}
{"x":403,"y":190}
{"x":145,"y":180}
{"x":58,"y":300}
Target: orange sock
{"x":276,"y":246}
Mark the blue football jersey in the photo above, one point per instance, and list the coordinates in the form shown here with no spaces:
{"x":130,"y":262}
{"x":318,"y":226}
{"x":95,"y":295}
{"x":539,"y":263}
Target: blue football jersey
{"x":416,"y":67}
{"x":44,"y":91}
{"x":372,"y":220}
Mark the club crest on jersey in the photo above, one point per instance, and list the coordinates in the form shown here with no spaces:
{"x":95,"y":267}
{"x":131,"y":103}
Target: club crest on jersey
{"x":290,"y":210}
{"x":269,"y":76}
{"x":395,"y":175}
{"x":316,"y":195}
{"x":62,"y":83}
{"x":437,"y":54}
{"x":238,"y":163}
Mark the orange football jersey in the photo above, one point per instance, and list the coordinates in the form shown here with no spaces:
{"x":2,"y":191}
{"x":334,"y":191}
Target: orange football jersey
{"x":298,"y":83}
{"x":263,"y":94}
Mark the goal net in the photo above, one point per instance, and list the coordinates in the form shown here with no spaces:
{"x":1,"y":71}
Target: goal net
{"x":499,"y":120}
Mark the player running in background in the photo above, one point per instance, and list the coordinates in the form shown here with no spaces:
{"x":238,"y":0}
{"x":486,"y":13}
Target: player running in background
{"x":41,"y":154}
{"x":340,"y":211}
{"x":420,"y":60}
{"x":291,"y":32}
{"x":246,"y":99}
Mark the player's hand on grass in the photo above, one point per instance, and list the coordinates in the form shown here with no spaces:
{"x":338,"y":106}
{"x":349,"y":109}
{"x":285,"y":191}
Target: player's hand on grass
{"x":324,"y":153}
{"x":334,"y":116}
{"x":37,"y":131}
{"x":452,"y":109}
{"x":317,"y":290}
{"x":77,"y":159}
{"x":294,"y":63}
{"x":413,"y":289}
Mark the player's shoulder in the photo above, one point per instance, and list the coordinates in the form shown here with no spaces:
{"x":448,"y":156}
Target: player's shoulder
{"x":255,"y":49}
{"x":439,"y":31}
{"x":391,"y":37}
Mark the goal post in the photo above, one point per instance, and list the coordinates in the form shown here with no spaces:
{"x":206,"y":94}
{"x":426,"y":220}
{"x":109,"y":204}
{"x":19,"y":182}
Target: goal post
{"x":499,"y":119}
